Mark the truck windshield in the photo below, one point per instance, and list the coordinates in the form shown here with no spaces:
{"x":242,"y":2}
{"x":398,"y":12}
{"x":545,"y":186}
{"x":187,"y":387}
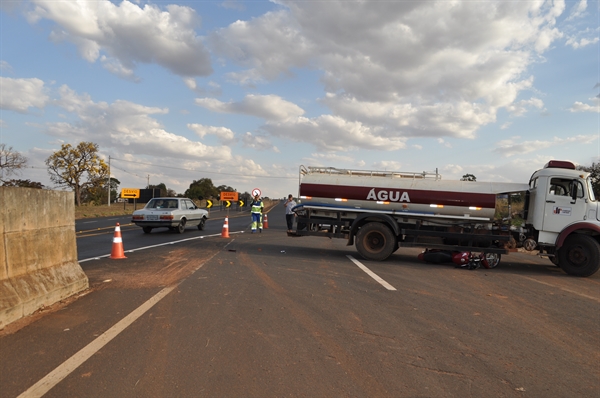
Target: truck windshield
{"x":591,"y":189}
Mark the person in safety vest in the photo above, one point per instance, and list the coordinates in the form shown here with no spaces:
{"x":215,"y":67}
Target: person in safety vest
{"x":257,"y":210}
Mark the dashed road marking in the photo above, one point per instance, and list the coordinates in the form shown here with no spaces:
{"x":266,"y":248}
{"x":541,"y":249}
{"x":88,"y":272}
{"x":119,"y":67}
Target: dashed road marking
{"x":371,"y":273}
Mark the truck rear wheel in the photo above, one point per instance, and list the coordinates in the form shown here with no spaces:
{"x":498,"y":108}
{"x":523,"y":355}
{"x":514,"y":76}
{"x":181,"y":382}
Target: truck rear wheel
{"x":375,"y":241}
{"x":580,"y":255}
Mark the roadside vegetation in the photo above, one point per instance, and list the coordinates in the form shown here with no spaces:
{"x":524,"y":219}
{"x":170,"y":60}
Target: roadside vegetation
{"x":81,"y":169}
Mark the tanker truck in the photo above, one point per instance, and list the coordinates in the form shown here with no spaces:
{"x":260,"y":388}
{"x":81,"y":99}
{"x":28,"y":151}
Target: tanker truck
{"x":381,"y":211}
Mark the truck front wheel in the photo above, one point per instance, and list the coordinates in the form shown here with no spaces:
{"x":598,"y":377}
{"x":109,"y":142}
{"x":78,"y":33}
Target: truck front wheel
{"x":375,"y":241}
{"x":580,"y":255}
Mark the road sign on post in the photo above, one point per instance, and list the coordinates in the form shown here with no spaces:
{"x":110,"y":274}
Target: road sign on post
{"x":130,"y":193}
{"x":229,"y":196}
{"x":256,"y":192}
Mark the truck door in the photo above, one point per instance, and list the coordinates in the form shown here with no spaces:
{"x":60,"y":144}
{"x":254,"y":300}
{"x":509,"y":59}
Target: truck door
{"x":560,"y":210}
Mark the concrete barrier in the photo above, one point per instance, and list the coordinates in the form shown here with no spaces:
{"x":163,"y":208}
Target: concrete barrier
{"x":38,"y":251}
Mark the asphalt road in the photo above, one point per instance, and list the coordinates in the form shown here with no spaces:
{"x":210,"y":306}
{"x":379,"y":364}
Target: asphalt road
{"x":267,"y":315}
{"x":95,"y":235}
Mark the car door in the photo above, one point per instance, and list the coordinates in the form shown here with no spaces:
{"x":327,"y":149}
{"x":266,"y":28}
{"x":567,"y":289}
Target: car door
{"x":560,"y":210}
{"x":191,"y":212}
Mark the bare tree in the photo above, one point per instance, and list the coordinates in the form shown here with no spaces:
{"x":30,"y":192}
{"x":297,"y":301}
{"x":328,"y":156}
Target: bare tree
{"x":11,"y":162}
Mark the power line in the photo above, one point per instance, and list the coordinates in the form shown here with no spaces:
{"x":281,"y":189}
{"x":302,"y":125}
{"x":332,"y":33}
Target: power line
{"x":204,"y":171}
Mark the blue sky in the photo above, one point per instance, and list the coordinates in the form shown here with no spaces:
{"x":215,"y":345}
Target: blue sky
{"x":244,"y":92}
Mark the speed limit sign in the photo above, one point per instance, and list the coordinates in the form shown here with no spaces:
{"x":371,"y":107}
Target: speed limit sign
{"x":256,"y":192}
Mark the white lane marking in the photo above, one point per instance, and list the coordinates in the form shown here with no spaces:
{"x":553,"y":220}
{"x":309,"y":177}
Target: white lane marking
{"x":371,"y":273}
{"x":66,"y":368}
{"x":89,"y":222}
{"x":57,"y":375}
{"x":158,"y":245}
{"x":565,"y":289}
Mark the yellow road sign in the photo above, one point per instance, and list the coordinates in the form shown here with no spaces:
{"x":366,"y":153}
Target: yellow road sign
{"x":209,"y":204}
{"x":228,"y":203}
{"x":130,"y":193}
{"x":241,"y":203}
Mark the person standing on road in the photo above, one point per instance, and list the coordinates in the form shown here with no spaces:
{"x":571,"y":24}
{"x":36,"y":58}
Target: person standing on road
{"x":257,"y":210}
{"x":289,"y":214}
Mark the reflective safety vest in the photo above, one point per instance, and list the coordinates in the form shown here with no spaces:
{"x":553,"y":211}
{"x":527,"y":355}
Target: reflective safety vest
{"x":257,"y":206}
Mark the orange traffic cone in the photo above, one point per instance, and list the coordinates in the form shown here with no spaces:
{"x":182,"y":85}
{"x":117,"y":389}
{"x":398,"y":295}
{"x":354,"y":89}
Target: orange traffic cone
{"x":225,"y":232}
{"x":266,"y":222}
{"x":117,"y":246}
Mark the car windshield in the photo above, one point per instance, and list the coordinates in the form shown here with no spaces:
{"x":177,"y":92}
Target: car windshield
{"x":162,"y":204}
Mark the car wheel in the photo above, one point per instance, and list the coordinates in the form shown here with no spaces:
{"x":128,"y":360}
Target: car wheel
{"x":147,"y":230}
{"x":181,"y":226}
{"x":201,"y":225}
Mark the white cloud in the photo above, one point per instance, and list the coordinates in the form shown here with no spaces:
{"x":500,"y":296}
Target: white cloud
{"x":578,"y":10}
{"x":21,"y":94}
{"x":581,"y":107}
{"x":268,"y":46}
{"x":258,"y":142}
{"x":225,"y":135}
{"x":331,"y":133}
{"x":521,"y":107}
{"x":403,"y":85}
{"x":329,"y":158}
{"x":514,"y":146}
{"x":127,"y":34}
{"x":269,"y":107}
{"x":580,"y":43}
{"x":5,"y":66}
{"x":128,"y":127}
{"x":388,"y":165}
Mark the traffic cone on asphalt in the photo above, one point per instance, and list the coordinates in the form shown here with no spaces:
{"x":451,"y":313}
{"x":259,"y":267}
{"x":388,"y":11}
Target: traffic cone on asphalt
{"x":266,"y":222}
{"x":225,"y":232}
{"x":117,"y":246}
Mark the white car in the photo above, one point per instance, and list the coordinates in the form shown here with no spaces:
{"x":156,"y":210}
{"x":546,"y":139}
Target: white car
{"x":172,"y":213}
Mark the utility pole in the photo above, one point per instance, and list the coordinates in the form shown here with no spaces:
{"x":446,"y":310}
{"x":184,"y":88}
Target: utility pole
{"x":108,"y":181}
{"x":148,"y":186}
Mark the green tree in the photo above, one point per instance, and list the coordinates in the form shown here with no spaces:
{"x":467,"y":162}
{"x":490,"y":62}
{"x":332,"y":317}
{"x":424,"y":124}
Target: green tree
{"x":11,"y":162}
{"x":162,"y":187}
{"x":78,"y":168}
{"x":468,"y":177}
{"x":202,"y":189}
{"x":594,"y":171}
{"x":225,"y":188}
{"x":96,"y":192}
{"x":23,"y":184}
{"x":114,"y":187}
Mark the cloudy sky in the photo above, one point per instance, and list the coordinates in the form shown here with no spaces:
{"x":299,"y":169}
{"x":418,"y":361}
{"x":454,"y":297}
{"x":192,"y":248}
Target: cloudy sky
{"x":244,"y":92}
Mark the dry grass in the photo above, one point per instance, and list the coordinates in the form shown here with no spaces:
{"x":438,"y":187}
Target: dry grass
{"x":116,"y":209}
{"x":516,"y":211}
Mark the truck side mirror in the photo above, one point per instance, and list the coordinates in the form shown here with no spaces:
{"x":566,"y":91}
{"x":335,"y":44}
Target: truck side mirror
{"x":574,"y":186}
